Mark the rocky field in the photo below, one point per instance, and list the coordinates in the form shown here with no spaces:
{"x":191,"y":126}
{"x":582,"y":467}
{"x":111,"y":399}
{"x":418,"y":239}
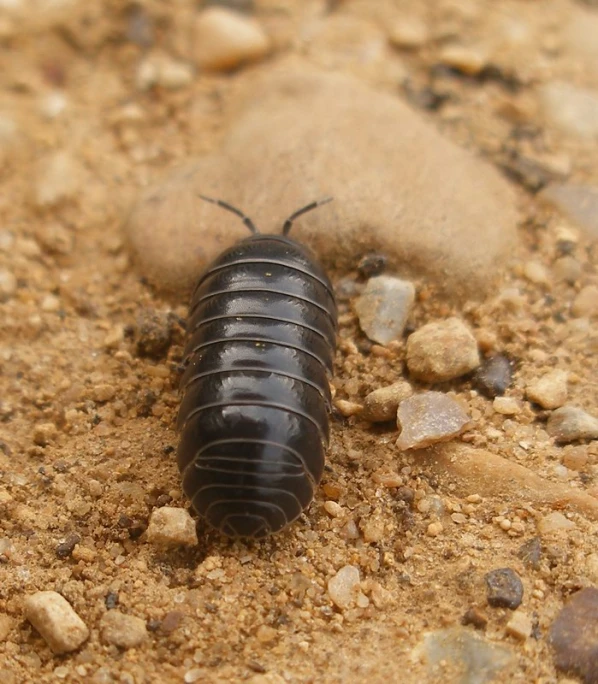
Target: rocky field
{"x":453,"y":538}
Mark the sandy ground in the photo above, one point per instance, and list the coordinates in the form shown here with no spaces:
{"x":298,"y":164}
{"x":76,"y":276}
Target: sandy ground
{"x":87,"y":420}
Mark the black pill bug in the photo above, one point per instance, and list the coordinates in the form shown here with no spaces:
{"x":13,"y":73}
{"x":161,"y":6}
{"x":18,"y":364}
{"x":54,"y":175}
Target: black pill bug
{"x":254,"y":413}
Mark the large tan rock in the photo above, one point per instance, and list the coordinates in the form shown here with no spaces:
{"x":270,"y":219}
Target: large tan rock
{"x":400,"y":188}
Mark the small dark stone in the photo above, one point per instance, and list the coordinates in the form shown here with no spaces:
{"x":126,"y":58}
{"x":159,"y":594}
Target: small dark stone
{"x":406,"y":494}
{"x":505,"y":589}
{"x":111,"y":600}
{"x":574,"y":636}
{"x":154,"y":334}
{"x":65,"y":548}
{"x":530,"y":552}
{"x":371,"y":265}
{"x":146,"y":401}
{"x":153,"y":625}
{"x":256,"y":667}
{"x":474,"y":616}
{"x":494,"y":376}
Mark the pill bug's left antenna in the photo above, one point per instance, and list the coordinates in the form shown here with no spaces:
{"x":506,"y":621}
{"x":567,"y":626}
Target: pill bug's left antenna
{"x":225,"y":205}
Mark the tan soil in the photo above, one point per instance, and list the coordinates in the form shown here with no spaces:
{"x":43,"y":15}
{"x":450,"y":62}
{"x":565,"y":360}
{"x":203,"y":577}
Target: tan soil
{"x":88,"y":425}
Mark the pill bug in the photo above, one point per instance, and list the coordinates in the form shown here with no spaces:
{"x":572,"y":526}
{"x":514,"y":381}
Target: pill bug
{"x":253,"y":420}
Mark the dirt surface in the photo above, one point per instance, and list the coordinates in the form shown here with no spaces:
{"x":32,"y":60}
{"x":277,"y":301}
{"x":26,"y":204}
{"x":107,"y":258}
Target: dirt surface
{"x":89,"y":357}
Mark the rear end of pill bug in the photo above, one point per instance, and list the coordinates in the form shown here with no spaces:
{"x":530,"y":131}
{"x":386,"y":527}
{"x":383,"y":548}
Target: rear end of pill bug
{"x":253,"y":419}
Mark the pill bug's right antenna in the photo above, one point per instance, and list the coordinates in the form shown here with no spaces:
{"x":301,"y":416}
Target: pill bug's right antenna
{"x":289,"y":222}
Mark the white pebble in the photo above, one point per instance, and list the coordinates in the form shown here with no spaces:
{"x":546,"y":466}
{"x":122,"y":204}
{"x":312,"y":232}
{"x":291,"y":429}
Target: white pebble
{"x":506,"y":406}
{"x":8,"y":284}
{"x":467,"y":60}
{"x":58,"y":178}
{"x":409,"y":33}
{"x":549,"y":391}
{"x":171,"y":527}
{"x":428,"y":418}
{"x":54,"y":618}
{"x":383,"y":308}
{"x":554,"y":522}
{"x":124,"y":631}
{"x":343,"y":588}
{"x":225,"y":39}
{"x":520,"y":625}
{"x":50,"y":304}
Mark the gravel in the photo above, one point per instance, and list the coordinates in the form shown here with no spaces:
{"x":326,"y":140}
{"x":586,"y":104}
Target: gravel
{"x":384,"y":307}
{"x":574,"y":633}
{"x":124,"y":631}
{"x":54,"y":618}
{"x":571,"y":424}
{"x":441,"y":351}
{"x":171,"y":527}
{"x":505,"y":589}
{"x":428,"y":418}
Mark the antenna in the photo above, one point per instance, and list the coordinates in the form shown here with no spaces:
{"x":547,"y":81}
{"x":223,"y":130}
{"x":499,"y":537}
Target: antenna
{"x":289,"y":222}
{"x":246,"y":220}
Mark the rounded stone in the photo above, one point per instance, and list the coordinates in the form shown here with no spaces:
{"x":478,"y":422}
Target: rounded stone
{"x":224,"y":39}
{"x":124,"y":631}
{"x":54,"y":618}
{"x":549,"y":391}
{"x":392,"y":193}
{"x":428,"y":418}
{"x":383,"y":308}
{"x":441,"y":351}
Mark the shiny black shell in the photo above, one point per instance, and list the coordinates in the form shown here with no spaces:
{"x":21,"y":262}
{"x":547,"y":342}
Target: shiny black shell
{"x":254,"y":414}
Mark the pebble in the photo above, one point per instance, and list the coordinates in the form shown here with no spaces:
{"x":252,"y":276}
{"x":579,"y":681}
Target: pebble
{"x":408,"y":33}
{"x":124,"y":631}
{"x":6,"y":625}
{"x":570,"y":423}
{"x":428,"y":418}
{"x":50,"y":304}
{"x":103,"y":392}
{"x":554,"y":522}
{"x":386,"y":145}
{"x":57,"y":179}
{"x":171,"y":527}
{"x":469,"y":61}
{"x":520,"y":625}
{"x":474,"y":616}
{"x":476,"y":660}
{"x":383,"y":308}
{"x":54,"y":618}
{"x":44,"y":433}
{"x":54,"y":238}
{"x":441,"y":351}
{"x":162,"y":70}
{"x":494,"y":376}
{"x":154,"y":334}
{"x":530,"y":552}
{"x":579,"y":203}
{"x":506,"y":406}
{"x":567,"y":269}
{"x":344,"y":588}
{"x":572,"y":109}
{"x":8,"y":284}
{"x":224,"y":39}
{"x":550,"y":391}
{"x":505,"y":589}
{"x":573,"y":636}
{"x":585,"y":304}
{"x":381,"y":405}
{"x":535,"y":272}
